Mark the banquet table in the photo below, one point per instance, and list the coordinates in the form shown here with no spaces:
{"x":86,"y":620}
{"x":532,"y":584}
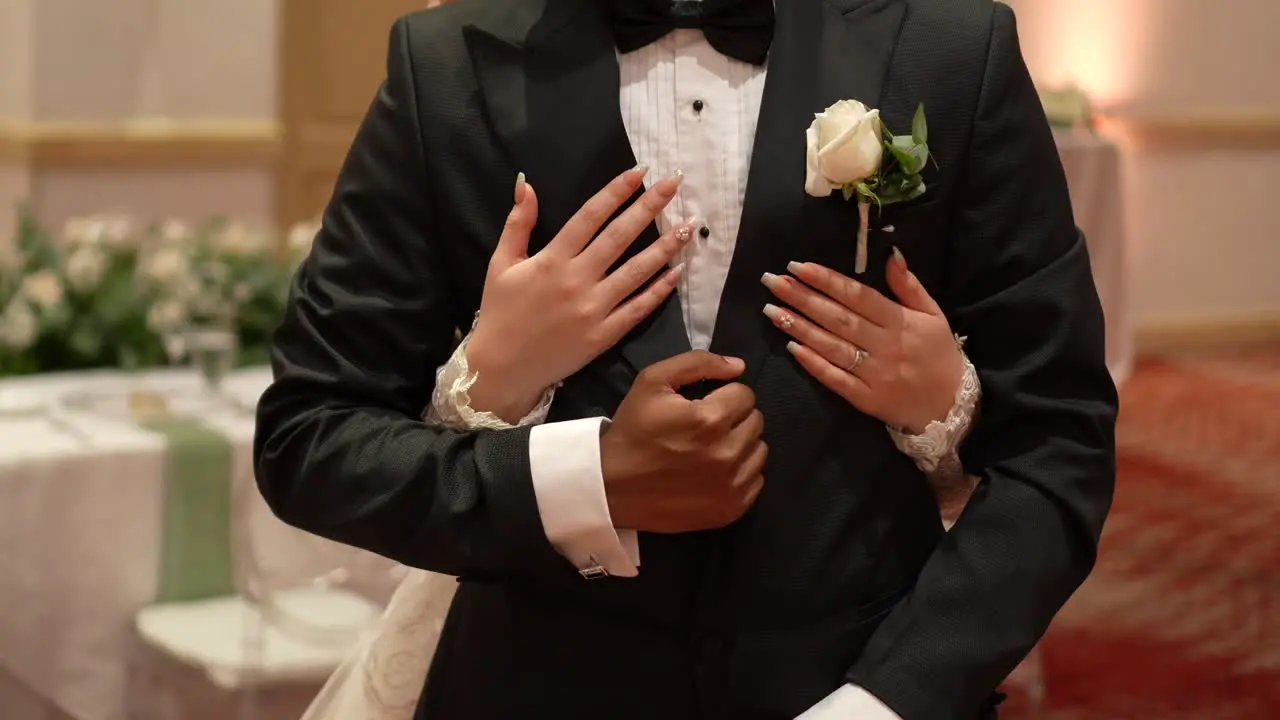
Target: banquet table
{"x":80,"y":500}
{"x":1092,"y":165}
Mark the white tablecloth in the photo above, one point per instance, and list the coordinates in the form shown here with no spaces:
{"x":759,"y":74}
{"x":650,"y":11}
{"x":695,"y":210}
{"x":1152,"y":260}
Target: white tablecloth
{"x":80,"y":524}
{"x":1092,"y":164}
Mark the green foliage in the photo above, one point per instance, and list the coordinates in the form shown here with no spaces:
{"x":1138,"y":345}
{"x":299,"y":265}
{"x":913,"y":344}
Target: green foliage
{"x":104,"y":294}
{"x":899,"y":178}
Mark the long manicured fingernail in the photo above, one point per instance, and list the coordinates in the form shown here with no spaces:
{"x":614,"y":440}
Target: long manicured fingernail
{"x":669,"y":185}
{"x":521,"y":185}
{"x":793,"y":346}
{"x":780,"y":317}
{"x":771,"y":281}
{"x":775,"y":313}
{"x":673,"y":275}
{"x":898,"y":258}
{"x":684,"y":233}
{"x":795,"y":268}
{"x":641,"y":169}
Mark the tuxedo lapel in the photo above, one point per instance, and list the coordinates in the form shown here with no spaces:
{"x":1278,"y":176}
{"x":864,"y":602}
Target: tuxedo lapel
{"x":823,"y":51}
{"x":856,"y":54}
{"x":549,"y":80}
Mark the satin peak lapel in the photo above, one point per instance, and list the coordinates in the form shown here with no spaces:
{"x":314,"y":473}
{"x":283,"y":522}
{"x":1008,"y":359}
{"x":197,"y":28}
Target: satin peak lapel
{"x":549,"y":80}
{"x":856,"y":59}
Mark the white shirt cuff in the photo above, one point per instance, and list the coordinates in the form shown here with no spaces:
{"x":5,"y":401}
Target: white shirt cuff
{"x":850,"y":702}
{"x":564,"y":459}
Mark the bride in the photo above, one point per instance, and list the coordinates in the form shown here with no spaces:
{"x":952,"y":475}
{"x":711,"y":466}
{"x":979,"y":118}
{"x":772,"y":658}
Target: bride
{"x":384,"y":675}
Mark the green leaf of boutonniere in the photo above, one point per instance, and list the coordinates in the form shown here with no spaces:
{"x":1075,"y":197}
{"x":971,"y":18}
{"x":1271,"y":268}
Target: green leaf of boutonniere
{"x":919,"y":128}
{"x":911,"y":156}
{"x":899,"y":178}
{"x":902,"y":190}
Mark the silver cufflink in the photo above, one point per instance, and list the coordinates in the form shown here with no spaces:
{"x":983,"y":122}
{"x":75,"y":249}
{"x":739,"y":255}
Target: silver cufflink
{"x":595,"y":571}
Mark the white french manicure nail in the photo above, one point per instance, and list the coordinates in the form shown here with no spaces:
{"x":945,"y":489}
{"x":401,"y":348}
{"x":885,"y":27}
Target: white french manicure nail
{"x":520,"y":188}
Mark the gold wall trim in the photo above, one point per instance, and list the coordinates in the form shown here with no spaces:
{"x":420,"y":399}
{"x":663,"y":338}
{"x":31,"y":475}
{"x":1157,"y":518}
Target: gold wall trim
{"x":1197,"y":131}
{"x":1165,"y":337}
{"x":13,"y":150}
{"x":160,"y":144}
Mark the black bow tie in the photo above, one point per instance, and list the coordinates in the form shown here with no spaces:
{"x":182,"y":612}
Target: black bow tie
{"x":740,"y":29}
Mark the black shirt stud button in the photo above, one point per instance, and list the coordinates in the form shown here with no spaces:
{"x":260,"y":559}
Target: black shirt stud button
{"x":698,"y":105}
{"x":704,"y":232}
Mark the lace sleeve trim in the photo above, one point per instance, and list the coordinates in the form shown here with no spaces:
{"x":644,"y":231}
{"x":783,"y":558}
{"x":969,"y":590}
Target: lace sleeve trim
{"x":937,"y":448}
{"x":450,"y":406}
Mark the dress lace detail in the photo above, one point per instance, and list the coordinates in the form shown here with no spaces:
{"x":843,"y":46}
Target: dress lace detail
{"x":450,"y":406}
{"x":935,"y":451}
{"x":382,"y":677}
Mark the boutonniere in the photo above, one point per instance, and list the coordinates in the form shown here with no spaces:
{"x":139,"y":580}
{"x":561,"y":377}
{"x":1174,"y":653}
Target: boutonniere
{"x":850,"y":150}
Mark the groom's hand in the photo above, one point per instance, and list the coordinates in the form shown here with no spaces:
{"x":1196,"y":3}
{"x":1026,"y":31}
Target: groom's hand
{"x":675,"y":465}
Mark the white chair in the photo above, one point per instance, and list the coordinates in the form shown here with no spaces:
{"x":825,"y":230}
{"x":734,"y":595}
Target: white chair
{"x":291,"y":623}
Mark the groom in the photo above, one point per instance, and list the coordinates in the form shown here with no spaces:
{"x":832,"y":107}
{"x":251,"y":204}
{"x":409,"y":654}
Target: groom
{"x":837,"y":595}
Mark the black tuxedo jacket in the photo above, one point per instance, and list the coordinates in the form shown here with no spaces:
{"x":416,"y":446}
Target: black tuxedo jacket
{"x":841,"y":572}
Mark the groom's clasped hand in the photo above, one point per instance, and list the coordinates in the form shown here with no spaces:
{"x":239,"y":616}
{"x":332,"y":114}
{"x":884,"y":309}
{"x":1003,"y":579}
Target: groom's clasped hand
{"x":670,"y":464}
{"x":675,"y":465}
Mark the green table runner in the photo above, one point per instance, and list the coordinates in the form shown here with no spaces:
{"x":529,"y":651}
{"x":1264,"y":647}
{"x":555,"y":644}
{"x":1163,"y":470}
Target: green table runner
{"x":195,"y":557}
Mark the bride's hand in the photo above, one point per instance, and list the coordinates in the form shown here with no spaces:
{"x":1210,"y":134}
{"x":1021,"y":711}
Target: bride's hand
{"x":896,"y":361}
{"x":542,"y":318}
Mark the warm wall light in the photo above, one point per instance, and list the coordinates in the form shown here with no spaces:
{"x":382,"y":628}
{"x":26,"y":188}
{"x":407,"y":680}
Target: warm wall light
{"x":1097,"y":45}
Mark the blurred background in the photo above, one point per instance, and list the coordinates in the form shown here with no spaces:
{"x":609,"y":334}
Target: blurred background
{"x":162,"y":162}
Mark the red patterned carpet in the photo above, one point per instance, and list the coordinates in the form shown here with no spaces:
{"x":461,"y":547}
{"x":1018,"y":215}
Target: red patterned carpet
{"x":1181,"y":618}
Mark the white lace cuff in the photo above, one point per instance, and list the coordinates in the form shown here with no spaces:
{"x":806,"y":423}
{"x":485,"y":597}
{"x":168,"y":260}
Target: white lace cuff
{"x":450,"y":406}
{"x":935,"y":451}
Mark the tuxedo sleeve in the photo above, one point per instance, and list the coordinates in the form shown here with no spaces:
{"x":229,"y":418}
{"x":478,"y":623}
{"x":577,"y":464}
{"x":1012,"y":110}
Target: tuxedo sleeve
{"x":340,"y":449}
{"x":1019,"y":286}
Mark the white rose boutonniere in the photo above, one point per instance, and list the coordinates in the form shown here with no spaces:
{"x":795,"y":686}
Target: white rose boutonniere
{"x":849,"y":149}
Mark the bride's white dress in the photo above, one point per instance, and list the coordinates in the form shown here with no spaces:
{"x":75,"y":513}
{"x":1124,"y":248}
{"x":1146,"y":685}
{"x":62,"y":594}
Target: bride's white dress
{"x":385,"y":673}
{"x":383,"y":676}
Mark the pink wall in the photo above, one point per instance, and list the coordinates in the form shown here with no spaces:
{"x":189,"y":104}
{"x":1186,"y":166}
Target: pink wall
{"x":1204,"y":221}
{"x":115,"y":59}
{"x":121,"y":60}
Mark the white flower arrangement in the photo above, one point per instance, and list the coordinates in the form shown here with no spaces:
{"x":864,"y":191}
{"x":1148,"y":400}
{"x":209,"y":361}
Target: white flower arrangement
{"x":106,"y":292}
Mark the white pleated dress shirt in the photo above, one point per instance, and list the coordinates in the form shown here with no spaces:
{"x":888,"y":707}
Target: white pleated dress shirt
{"x":685,"y":107}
